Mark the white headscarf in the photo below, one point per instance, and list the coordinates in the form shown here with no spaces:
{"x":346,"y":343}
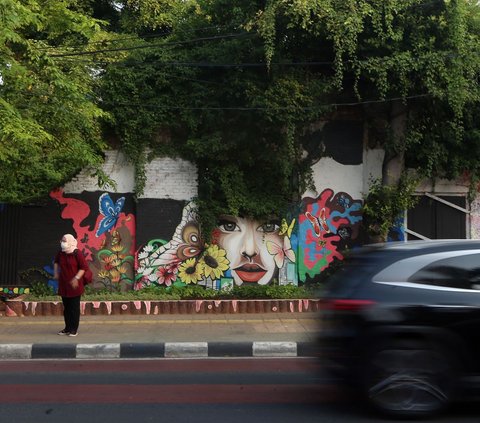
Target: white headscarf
{"x":70,"y":244}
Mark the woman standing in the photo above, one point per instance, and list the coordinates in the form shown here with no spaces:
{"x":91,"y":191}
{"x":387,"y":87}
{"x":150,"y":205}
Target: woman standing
{"x":69,"y":267}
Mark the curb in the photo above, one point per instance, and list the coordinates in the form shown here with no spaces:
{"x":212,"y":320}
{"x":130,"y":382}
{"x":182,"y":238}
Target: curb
{"x":158,"y":350}
{"x":17,"y":307}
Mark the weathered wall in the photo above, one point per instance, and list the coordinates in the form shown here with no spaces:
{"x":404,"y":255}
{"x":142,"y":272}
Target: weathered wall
{"x":155,"y":240}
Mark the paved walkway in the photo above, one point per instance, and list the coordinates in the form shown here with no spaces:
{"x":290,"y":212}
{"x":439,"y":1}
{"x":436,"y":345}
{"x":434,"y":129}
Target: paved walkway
{"x":272,"y":334}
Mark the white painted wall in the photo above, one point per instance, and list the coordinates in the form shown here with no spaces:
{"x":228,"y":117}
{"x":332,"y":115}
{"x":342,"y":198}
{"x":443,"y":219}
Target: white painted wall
{"x":372,"y":167}
{"x":166,"y":178}
{"x":177,"y":179}
{"x":328,"y":173}
{"x":174,"y":179}
{"x":354,"y":180}
{"x":115,"y":166}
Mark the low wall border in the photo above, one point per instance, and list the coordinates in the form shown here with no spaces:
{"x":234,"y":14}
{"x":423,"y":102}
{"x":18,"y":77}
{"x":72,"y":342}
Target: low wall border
{"x":16,"y":308}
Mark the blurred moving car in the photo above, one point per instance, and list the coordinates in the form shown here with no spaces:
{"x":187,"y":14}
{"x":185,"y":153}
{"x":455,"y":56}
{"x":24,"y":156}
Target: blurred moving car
{"x":401,"y":321}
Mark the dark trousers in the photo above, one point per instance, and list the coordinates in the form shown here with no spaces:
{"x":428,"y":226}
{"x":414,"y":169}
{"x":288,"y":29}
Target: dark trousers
{"x":71,"y":313}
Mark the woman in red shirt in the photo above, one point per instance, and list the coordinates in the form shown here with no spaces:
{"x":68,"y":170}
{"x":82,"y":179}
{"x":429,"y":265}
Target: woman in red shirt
{"x":69,"y":267}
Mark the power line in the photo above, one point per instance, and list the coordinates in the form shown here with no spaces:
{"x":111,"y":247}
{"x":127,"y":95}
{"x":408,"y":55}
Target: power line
{"x":199,"y":64}
{"x":173,"y":43}
{"x":132,"y":37}
{"x":244,"y":108}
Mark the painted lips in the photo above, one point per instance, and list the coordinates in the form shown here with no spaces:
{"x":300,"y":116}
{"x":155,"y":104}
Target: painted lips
{"x":250,"y":272}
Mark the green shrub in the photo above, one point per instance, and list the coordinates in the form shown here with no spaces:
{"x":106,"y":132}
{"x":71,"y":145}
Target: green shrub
{"x":40,"y":291}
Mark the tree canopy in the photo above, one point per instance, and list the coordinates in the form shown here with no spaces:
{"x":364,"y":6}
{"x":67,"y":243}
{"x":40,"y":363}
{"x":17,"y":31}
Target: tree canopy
{"x":49,"y":120}
{"x":236,"y":87}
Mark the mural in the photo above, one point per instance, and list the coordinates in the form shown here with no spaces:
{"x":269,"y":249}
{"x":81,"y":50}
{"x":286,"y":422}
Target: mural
{"x":397,"y":233}
{"x":327,"y":225}
{"x":241,"y":251}
{"x":245,"y":251}
{"x":12,"y":292}
{"x":106,"y":237}
{"x":290,"y":250}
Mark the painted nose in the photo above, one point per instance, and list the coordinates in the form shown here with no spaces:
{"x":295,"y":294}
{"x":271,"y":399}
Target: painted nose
{"x":249,"y":250}
{"x":248,"y":256}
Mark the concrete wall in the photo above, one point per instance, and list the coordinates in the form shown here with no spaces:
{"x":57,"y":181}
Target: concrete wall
{"x":155,"y":240}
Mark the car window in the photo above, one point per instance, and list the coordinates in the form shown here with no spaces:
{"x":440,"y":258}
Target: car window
{"x":451,"y":269}
{"x":455,"y":272}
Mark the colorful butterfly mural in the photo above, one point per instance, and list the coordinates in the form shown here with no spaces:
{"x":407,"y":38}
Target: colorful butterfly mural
{"x":111,"y":212}
{"x":285,"y":228}
{"x":185,"y":243}
{"x":319,"y":223}
{"x":279,"y":253}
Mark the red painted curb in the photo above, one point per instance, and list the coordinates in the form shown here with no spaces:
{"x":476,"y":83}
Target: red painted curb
{"x":146,"y":307}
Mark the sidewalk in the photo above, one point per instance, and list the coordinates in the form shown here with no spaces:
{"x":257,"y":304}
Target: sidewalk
{"x":169,"y":336}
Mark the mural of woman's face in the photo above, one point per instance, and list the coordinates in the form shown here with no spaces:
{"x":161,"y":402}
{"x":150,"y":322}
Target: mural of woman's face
{"x":245,"y":242}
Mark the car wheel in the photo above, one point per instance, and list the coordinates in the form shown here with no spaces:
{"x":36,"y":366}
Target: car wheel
{"x":406,"y":379}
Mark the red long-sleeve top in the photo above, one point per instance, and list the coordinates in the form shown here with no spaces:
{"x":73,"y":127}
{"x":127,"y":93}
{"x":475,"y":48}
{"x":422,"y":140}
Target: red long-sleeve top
{"x":68,"y":265}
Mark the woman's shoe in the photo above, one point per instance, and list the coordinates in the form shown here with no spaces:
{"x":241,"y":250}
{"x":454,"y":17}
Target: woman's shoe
{"x":63,"y":332}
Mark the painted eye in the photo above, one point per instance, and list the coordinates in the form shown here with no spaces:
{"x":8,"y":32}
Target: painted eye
{"x":229,"y":227}
{"x":269,"y":227}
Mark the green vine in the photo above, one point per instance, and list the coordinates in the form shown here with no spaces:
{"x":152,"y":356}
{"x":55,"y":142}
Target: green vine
{"x":384,"y":204}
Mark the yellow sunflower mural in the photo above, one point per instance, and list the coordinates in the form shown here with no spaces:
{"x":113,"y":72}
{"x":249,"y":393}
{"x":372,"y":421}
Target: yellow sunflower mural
{"x":215,"y":262}
{"x":190,"y":271}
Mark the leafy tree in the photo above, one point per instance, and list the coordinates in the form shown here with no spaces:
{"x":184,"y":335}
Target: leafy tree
{"x":235,"y":86}
{"x":49,"y":122}
{"x":205,"y":91}
{"x":421,"y":57}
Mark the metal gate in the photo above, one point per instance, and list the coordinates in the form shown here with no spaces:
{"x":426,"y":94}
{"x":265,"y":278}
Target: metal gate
{"x":9,"y":226}
{"x":438,"y":217}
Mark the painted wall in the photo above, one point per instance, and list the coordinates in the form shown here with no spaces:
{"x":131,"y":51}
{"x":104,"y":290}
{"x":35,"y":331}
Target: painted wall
{"x":104,"y":225}
{"x":243,"y":251}
{"x":156,"y":240}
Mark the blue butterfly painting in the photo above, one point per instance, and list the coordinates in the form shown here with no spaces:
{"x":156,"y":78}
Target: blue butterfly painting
{"x":111,"y":212}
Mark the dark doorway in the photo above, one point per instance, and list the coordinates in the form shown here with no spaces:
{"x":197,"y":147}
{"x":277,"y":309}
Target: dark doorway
{"x":9,"y":226}
{"x":436,"y":220}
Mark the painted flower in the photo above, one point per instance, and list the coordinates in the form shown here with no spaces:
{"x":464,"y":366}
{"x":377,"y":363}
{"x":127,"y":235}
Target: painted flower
{"x":166,"y":276}
{"x":142,"y":283}
{"x":148,"y":248}
{"x":215,"y":262}
{"x":142,"y":255}
{"x":190,"y":271}
{"x":108,"y":259}
{"x":139,"y":285}
{"x":103,"y":275}
{"x":173,"y":266}
{"x":123,"y":268}
{"x":147,"y":271}
{"x":115,"y":275}
{"x":117,"y":248}
{"x":116,"y":263}
{"x":151,"y":278}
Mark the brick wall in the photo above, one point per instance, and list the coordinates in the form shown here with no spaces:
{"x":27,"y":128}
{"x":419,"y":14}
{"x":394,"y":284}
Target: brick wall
{"x":167,"y":178}
{"x":173,"y":179}
{"x":115,"y":166}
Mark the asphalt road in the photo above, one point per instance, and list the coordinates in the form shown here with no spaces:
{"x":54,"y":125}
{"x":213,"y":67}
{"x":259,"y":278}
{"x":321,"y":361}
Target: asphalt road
{"x":226,"y":390}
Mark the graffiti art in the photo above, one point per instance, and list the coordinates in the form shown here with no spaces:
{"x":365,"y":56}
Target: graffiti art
{"x":108,"y":243}
{"x":242,"y":251}
{"x":328,"y":224}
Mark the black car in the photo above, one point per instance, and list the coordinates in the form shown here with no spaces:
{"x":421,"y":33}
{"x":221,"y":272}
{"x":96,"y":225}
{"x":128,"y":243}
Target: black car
{"x":402,"y":322}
